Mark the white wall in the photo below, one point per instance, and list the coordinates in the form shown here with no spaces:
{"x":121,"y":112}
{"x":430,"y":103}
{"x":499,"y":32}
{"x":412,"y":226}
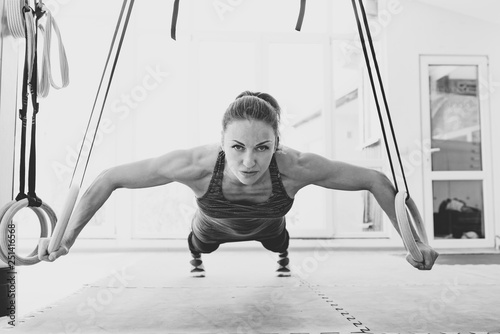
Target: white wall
{"x":421,"y":29}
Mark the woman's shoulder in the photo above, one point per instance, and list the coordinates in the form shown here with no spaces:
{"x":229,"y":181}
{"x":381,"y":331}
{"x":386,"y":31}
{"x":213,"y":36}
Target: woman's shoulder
{"x":194,"y":165}
{"x":290,"y":166}
{"x":297,"y":165}
{"x":290,"y":162}
{"x":288,"y":159}
{"x":204,"y":157}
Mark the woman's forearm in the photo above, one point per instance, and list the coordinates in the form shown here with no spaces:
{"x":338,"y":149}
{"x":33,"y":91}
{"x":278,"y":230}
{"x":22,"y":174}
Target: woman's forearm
{"x":385,"y":193}
{"x":91,"y":201}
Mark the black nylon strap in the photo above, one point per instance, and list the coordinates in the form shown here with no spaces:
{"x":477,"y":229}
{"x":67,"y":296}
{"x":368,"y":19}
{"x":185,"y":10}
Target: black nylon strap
{"x":386,"y":105}
{"x":33,"y":199}
{"x":129,"y":12}
{"x":379,"y":77}
{"x":175,"y":15}
{"x":302,"y":12}
{"x":24,"y":122}
{"x":120,"y":17}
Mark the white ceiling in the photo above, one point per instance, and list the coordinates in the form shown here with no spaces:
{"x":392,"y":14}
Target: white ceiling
{"x":487,"y":10}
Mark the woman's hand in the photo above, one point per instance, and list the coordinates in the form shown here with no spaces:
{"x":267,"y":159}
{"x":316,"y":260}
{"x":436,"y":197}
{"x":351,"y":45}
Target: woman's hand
{"x":43,"y":253}
{"x":429,"y":255}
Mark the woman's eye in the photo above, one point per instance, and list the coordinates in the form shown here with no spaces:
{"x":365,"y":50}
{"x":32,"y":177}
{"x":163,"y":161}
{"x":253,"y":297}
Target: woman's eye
{"x":262,"y":148}
{"x":238,"y":147}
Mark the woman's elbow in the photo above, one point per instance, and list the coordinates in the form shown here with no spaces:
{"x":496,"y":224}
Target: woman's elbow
{"x":380,"y":182}
{"x":105,"y":182}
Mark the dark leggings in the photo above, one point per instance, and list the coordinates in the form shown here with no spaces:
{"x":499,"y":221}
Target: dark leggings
{"x":277,"y":244}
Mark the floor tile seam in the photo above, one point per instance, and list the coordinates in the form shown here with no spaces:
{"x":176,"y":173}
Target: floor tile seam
{"x":475,"y":284}
{"x":33,"y":314}
{"x":287,"y":286}
{"x":191,"y":287}
{"x":359,"y":326}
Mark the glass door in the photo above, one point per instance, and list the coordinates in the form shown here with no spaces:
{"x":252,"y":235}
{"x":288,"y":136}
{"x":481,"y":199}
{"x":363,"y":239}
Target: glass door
{"x":457,"y":168}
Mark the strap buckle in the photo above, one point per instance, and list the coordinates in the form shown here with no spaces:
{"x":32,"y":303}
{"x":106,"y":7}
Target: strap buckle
{"x":34,"y":200}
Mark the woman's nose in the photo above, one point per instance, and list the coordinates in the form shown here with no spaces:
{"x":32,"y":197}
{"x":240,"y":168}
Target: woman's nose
{"x":249,"y":160}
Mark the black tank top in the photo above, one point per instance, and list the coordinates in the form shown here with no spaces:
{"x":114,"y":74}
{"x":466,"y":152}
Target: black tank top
{"x":218,"y":219}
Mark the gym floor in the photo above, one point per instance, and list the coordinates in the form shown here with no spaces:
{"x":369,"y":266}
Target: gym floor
{"x":331,"y":290}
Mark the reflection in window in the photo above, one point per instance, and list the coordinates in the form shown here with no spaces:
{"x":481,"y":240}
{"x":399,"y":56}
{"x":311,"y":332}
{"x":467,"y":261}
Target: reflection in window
{"x":455,"y":118}
{"x":458,"y":209}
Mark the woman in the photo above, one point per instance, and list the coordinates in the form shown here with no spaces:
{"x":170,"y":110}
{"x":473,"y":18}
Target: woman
{"x":244,"y":186}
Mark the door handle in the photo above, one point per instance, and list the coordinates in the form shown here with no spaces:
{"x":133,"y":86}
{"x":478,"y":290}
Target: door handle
{"x":434,"y":149}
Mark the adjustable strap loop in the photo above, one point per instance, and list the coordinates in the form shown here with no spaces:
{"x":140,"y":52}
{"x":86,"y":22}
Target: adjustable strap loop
{"x":302,"y":12}
{"x":22,"y":115}
{"x":30,"y":39}
{"x":29,"y":82}
{"x":33,"y":199}
{"x":46,"y":79}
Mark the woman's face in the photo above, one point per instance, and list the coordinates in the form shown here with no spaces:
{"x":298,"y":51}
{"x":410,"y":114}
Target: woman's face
{"x":249,"y":147}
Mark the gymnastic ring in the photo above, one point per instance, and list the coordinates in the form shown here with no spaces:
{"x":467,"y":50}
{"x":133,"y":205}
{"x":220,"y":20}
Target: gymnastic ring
{"x":403,"y":204}
{"x":3,"y":210}
{"x":62,"y":223}
{"x":13,"y":208}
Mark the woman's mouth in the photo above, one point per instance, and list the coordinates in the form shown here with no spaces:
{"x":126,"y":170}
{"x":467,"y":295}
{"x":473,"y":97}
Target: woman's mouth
{"x":248,"y":173}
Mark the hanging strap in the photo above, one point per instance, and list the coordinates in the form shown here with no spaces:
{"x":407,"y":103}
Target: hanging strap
{"x":129,"y":11}
{"x":175,"y":14}
{"x":46,"y":79}
{"x":33,"y":199}
{"x":99,"y":88}
{"x":23,"y":117}
{"x":30,"y":79}
{"x":372,"y":82}
{"x":302,"y":12}
{"x":30,"y":35}
{"x":21,"y":25}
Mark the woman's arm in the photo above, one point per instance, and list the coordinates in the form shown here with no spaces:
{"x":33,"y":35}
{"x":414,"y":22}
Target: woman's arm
{"x":181,"y":166}
{"x":314,"y":169}
{"x":317,"y":170}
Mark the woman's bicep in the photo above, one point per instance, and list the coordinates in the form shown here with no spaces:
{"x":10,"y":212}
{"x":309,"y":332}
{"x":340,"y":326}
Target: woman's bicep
{"x":336,"y":174}
{"x":150,"y":172}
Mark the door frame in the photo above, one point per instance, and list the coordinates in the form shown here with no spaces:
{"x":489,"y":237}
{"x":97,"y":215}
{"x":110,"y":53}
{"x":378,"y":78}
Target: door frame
{"x":485,"y":175}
